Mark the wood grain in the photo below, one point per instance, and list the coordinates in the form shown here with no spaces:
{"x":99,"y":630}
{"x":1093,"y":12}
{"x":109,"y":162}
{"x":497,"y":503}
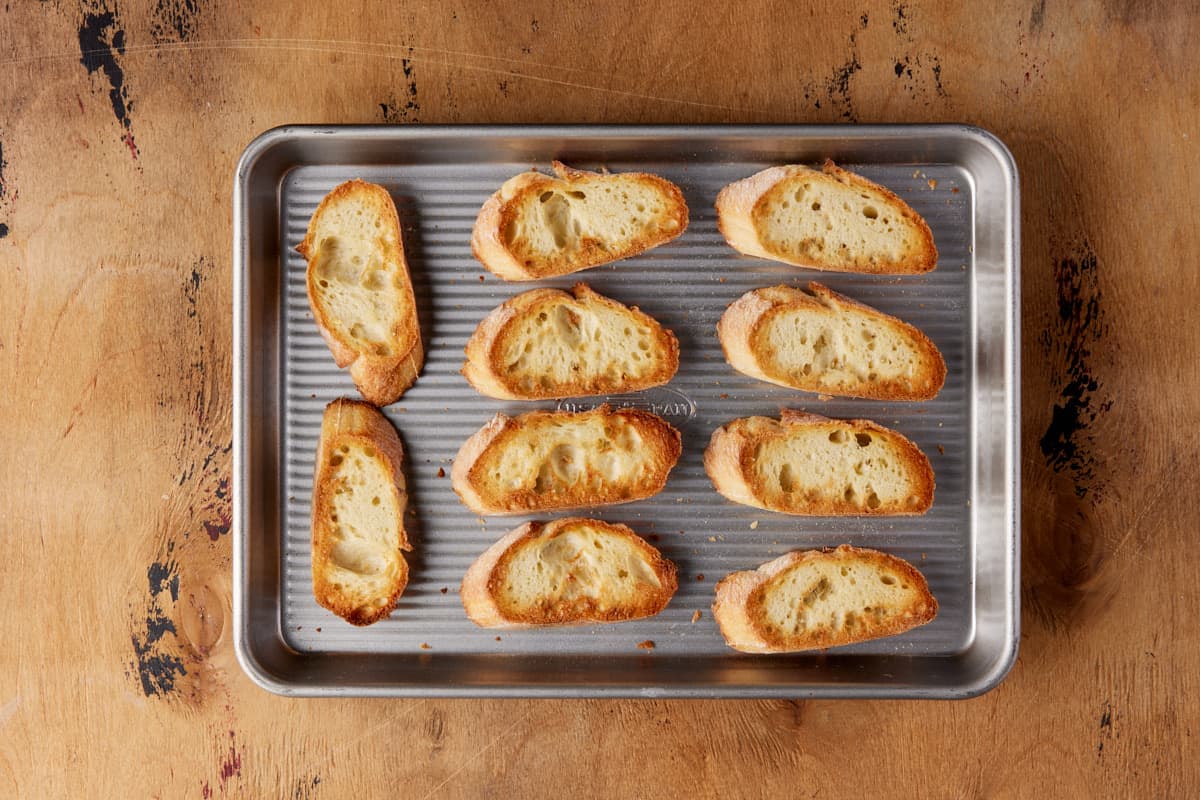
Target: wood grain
{"x":119,"y":129}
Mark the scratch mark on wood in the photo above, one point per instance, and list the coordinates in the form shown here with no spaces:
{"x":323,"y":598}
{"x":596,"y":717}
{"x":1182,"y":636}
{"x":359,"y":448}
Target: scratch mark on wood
{"x":466,"y":762}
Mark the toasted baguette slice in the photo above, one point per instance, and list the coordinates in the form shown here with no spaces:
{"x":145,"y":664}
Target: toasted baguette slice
{"x":567,"y":572}
{"x":558,"y":459}
{"x":548,"y":344}
{"x":360,"y":290}
{"x":812,"y":599}
{"x":810,"y":465}
{"x":537,"y":226}
{"x":827,"y":219}
{"x":821,"y":341}
{"x":358,"y":507}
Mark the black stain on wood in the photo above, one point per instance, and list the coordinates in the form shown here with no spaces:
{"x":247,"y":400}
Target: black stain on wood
{"x":101,"y":42}
{"x":3,"y":191}
{"x":191,"y":288}
{"x":1068,"y":444}
{"x":864,"y":19}
{"x":406,"y":107}
{"x":163,"y":576}
{"x":1037,"y":16}
{"x":900,"y":17}
{"x":837,"y":88}
{"x":306,"y":788}
{"x":1106,"y":727}
{"x":174,"y":21}
{"x":157,"y":667}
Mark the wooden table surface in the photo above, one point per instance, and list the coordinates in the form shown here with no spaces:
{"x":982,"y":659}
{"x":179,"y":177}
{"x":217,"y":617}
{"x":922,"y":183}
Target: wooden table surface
{"x":120,"y":124}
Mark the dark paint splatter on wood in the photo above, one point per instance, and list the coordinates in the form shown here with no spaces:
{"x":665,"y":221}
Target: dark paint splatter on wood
{"x":1037,"y":17}
{"x":3,"y":191}
{"x":101,"y":41}
{"x":837,"y":89}
{"x":231,"y":765}
{"x":157,"y":668}
{"x":407,"y":107}
{"x":900,"y":17}
{"x":306,"y":788}
{"x":1106,"y":732}
{"x":1068,"y":444}
{"x":174,"y":20}
{"x":163,"y":575}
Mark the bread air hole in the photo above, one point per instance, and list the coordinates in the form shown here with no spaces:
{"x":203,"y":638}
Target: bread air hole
{"x":870,"y":212}
{"x":816,"y":206}
{"x":374,"y":501}
{"x":873,"y":501}
{"x":837,"y":437}
{"x":336,"y":461}
{"x":787,"y":481}
{"x":849,"y":494}
{"x":577,"y":195}
{"x":863,"y":439}
{"x":886,"y":580}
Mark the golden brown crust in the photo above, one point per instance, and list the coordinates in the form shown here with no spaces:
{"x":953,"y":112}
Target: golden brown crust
{"x":741,"y":328}
{"x":469,"y":474}
{"x":347,"y":421}
{"x":741,"y":206}
{"x":738,"y":608}
{"x":730,"y":457}
{"x":485,"y":369}
{"x":482,"y":590}
{"x":380,"y":379}
{"x":490,"y":248}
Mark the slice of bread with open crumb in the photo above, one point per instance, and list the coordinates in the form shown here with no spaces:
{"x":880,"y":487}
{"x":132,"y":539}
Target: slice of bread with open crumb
{"x":821,"y":341}
{"x":359,"y":499}
{"x":806,"y":600}
{"x":537,"y":226}
{"x":811,"y":465}
{"x":548,"y":343}
{"x":360,"y":290}
{"x":827,"y":219}
{"x":560,"y":459}
{"x":567,"y":572}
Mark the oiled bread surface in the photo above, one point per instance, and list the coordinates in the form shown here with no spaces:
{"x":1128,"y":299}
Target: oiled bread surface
{"x":567,"y":572}
{"x":537,"y":226}
{"x":547,"y":343}
{"x":828,"y":219}
{"x":359,"y":500}
{"x":821,"y":341}
{"x":812,"y":599}
{"x":360,"y":290}
{"x":806,"y":464}
{"x":546,"y":460}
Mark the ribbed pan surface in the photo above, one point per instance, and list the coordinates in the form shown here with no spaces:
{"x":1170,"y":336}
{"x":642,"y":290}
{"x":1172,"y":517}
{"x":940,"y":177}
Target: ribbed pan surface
{"x":686,"y":285}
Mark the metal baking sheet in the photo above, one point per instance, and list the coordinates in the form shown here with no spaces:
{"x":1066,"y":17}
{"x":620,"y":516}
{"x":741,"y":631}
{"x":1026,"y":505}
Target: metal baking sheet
{"x":961,"y":179}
